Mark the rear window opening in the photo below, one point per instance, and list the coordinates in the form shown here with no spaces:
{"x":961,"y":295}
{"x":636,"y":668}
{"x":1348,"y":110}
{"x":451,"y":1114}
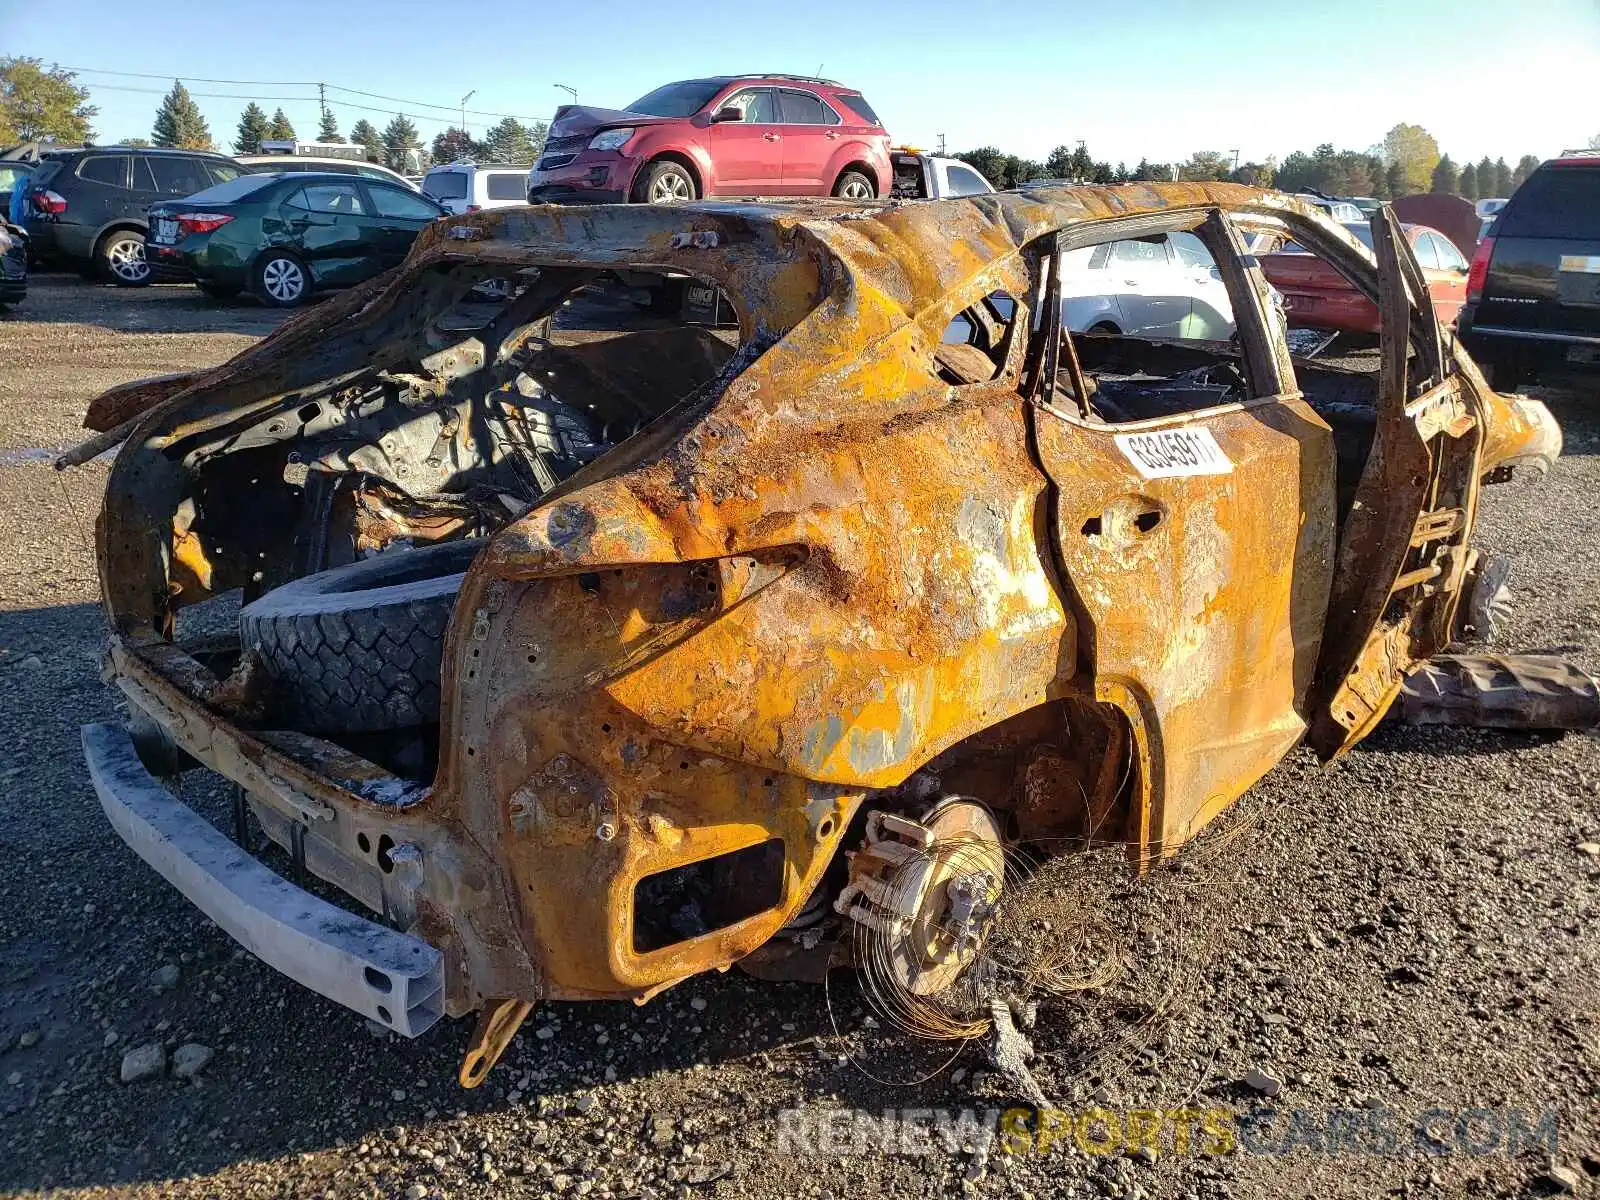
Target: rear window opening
{"x":390,"y":465}
{"x":1556,"y":201}
{"x":686,"y":902}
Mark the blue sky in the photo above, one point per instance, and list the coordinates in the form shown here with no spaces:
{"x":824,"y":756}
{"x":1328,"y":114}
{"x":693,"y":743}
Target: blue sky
{"x":1161,"y":78}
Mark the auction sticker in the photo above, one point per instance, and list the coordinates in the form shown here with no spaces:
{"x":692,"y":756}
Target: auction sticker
{"x":1174,"y":453}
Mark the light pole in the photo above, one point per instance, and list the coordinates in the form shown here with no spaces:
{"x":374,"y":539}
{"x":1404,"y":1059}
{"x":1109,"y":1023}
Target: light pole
{"x":464,"y":100}
{"x":571,"y":91}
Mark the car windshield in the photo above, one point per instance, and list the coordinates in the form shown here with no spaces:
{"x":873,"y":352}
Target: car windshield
{"x":235,"y":189}
{"x":681,"y":99}
{"x":445,"y":185}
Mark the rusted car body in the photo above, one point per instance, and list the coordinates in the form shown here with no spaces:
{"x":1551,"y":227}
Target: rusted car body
{"x":847,"y":556}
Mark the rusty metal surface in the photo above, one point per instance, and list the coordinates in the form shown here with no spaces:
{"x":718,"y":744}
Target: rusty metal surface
{"x":828,"y":568}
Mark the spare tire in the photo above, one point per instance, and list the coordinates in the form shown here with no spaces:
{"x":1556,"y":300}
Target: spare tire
{"x":358,"y":648}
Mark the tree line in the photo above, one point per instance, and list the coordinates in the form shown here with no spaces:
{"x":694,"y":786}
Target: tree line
{"x":39,"y":103}
{"x":1406,"y":162}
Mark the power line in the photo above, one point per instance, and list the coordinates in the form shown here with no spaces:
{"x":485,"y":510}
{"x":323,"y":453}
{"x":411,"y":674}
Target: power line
{"x":412,"y":104}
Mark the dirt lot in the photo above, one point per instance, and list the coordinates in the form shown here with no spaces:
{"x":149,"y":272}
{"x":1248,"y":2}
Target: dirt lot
{"x":1415,"y":928}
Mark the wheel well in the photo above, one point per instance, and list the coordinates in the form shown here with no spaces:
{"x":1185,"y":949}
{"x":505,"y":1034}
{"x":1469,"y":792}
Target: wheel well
{"x":864,"y":168}
{"x":117,"y":227}
{"x":683,"y":160}
{"x":1102,"y":326}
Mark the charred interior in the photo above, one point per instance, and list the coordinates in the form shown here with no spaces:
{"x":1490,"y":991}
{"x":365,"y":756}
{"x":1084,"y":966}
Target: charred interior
{"x":520,"y":392}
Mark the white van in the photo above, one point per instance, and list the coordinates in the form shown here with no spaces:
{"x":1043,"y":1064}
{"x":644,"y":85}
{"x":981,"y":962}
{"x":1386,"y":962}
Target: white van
{"x":464,"y":187}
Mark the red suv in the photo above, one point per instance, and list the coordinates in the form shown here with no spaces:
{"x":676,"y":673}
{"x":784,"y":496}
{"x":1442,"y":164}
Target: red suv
{"x":735,"y":135}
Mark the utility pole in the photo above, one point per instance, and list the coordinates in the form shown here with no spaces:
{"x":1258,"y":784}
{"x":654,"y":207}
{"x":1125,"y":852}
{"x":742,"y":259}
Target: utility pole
{"x":322,"y":101}
{"x":464,"y":100}
{"x":1235,"y":154}
{"x":571,"y":91}
{"x":941,"y":145}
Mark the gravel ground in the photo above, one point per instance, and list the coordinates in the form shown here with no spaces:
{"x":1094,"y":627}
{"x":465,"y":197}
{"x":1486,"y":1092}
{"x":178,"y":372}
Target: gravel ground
{"x":1412,"y":928}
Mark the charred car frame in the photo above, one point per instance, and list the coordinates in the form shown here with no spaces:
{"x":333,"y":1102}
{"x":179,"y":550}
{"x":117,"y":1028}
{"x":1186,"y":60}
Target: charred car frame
{"x":710,"y":614}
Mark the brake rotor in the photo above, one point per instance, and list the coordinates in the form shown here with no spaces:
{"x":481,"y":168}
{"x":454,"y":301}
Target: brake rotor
{"x":952,"y":891}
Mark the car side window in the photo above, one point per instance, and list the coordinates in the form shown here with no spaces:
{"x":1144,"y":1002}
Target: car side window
{"x":503,"y":185}
{"x":759,"y":104}
{"x":972,"y":348}
{"x":175,"y":175}
{"x":1427,"y":255}
{"x":1450,"y":259}
{"x":222,"y":172}
{"x":802,"y":108}
{"x":341,"y":199}
{"x":391,"y":201}
{"x":1191,"y":250}
{"x":109,"y":169}
{"x":1133,"y":252}
{"x":964,"y":181}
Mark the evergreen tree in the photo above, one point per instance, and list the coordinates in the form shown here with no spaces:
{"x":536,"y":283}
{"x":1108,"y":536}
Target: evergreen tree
{"x":1059,"y":163}
{"x":1082,"y":163}
{"x":1502,"y":178}
{"x":179,"y":123}
{"x":365,"y":134}
{"x":399,"y":136}
{"x":1526,"y":165}
{"x":1395,"y":181}
{"x":280,"y":129}
{"x":1467,"y":185}
{"x":1444,"y":176}
{"x":328,"y":127}
{"x":252,"y":129}
{"x":508,"y":142}
{"x":454,"y":145}
{"x":536,"y":133}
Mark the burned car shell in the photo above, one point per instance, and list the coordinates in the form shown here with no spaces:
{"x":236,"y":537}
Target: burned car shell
{"x":814,"y":578}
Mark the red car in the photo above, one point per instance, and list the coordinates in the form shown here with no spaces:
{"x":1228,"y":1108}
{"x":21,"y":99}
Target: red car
{"x":1315,"y":296}
{"x":734,"y":135}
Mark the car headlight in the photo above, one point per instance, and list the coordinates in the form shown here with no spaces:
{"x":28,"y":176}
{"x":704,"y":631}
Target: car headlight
{"x":611,"y":139}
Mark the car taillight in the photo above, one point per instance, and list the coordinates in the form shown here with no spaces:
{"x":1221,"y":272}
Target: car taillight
{"x":1479,"y":270}
{"x":50,"y":202}
{"x":201,"y":222}
{"x":474,"y":208}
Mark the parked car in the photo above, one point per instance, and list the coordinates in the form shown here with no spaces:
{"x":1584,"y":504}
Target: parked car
{"x":732,"y":135}
{"x":323,"y":165}
{"x":463,"y":187}
{"x":681,"y":655}
{"x":85,"y":207}
{"x":1316,"y":296}
{"x":1489,"y":206}
{"x":919,"y":176}
{"x":1165,"y":286}
{"x":285,"y":235}
{"x":1533,"y":295}
{"x":13,"y":263}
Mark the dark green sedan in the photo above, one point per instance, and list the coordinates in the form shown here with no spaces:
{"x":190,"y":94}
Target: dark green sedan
{"x":284,"y":236}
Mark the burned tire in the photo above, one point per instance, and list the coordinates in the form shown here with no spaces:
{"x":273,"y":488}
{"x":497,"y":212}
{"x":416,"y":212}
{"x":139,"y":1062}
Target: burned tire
{"x":357,"y":649}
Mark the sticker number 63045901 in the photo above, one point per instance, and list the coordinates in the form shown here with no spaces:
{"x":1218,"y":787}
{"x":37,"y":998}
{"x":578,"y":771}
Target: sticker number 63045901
{"x":1172,"y":453}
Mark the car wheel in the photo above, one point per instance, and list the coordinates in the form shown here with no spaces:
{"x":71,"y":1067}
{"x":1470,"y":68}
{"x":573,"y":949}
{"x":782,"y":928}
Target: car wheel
{"x":667,"y":183}
{"x":282,"y":281}
{"x":853,"y":185}
{"x":121,"y":259}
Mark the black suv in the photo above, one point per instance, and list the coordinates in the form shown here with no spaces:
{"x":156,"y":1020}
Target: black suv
{"x":1533,"y":293}
{"x":86,"y":206}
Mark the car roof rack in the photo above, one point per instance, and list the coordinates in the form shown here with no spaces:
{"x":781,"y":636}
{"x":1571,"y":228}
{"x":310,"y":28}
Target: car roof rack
{"x":792,"y":78}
